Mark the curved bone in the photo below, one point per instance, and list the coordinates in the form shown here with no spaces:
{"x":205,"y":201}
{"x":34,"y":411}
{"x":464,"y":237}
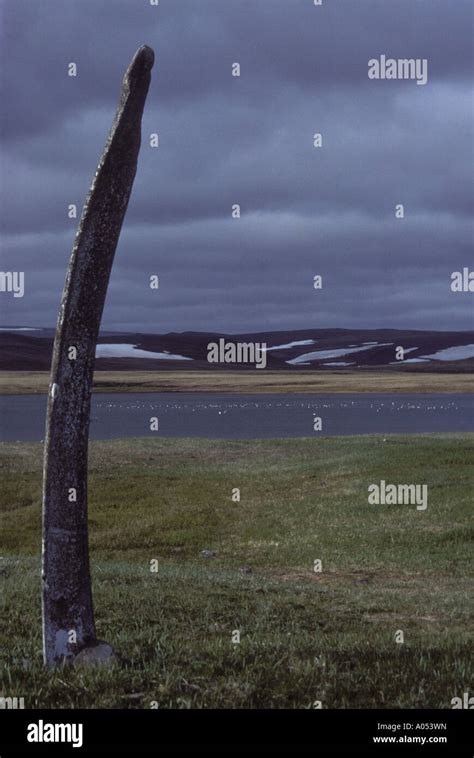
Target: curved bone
{"x":68,"y":619}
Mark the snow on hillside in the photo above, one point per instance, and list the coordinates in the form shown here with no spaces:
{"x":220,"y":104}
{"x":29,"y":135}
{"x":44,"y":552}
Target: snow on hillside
{"x":120,"y":350}
{"x":321,"y":354}
{"x":458,"y":353}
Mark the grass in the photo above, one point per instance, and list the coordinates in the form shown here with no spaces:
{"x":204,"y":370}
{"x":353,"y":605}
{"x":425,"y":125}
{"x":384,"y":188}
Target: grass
{"x":344,"y":380}
{"x":305,"y":636}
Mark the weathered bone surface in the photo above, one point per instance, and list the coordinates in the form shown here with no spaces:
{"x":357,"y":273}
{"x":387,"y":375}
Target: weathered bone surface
{"x":68,"y":619}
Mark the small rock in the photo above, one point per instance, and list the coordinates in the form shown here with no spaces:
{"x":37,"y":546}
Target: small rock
{"x":98,"y":654}
{"x":208,"y":553}
{"x":245,"y":570}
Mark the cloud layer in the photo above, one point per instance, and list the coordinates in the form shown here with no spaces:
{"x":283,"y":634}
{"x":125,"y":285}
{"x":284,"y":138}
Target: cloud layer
{"x":246,"y":140}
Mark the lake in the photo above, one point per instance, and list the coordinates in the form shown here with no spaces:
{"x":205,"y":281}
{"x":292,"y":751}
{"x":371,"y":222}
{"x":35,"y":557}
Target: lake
{"x":215,"y":415}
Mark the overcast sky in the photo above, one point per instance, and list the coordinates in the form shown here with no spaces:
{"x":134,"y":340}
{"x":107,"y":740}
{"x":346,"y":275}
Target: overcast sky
{"x":247,"y":140}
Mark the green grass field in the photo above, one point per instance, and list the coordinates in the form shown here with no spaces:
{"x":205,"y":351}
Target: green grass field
{"x":304,"y":636}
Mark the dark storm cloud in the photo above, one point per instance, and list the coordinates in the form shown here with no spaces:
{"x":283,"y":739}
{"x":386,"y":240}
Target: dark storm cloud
{"x":246,"y":140}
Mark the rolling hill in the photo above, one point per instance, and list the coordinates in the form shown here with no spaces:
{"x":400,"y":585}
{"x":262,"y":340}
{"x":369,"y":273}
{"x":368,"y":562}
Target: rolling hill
{"x":30,"y":349}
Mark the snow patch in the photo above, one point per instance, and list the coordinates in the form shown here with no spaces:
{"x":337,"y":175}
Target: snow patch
{"x":319,"y":354}
{"x":291,"y":344}
{"x":120,"y":350}
{"x":459,"y":353}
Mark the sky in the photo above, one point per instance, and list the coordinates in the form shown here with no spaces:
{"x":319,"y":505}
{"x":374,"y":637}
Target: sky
{"x":247,"y":140}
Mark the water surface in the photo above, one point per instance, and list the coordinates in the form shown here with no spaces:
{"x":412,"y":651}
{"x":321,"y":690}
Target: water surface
{"x":222,"y":415}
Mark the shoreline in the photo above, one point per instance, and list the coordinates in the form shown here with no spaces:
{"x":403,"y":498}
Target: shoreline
{"x":247,"y":382}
